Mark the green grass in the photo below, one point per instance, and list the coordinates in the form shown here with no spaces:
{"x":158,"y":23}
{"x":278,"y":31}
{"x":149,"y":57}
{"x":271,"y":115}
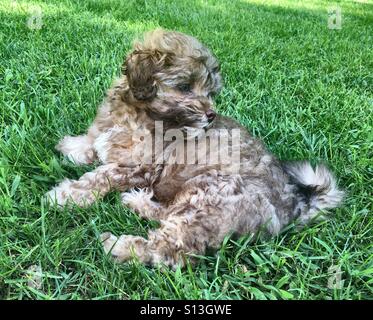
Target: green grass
{"x":306,"y":90}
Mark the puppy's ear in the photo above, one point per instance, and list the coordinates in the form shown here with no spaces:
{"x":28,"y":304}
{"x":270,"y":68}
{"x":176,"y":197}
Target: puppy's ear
{"x":140,"y":67}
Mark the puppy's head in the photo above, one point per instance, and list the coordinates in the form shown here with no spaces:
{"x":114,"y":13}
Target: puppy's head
{"x":175,"y":77}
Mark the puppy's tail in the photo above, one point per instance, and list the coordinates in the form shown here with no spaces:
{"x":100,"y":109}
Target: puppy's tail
{"x":316,"y":189}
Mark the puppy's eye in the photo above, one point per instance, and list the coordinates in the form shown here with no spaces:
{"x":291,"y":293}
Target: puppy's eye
{"x":184,"y":87}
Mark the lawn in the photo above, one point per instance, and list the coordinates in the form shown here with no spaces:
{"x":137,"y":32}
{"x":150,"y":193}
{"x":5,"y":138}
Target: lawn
{"x":305,"y":89}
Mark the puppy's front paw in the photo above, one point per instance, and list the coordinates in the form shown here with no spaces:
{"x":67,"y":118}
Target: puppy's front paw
{"x":137,"y":199}
{"x":108,"y":241}
{"x":59,"y":195}
{"x":65,"y":193}
{"x":115,"y":246}
{"x":125,"y":247}
{"x":78,"y":149}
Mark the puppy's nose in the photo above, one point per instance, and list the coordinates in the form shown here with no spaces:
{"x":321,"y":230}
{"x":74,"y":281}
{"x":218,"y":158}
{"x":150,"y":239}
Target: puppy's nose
{"x":210,"y":114}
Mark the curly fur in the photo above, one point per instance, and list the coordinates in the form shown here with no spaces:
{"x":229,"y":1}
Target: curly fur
{"x":172,"y":77}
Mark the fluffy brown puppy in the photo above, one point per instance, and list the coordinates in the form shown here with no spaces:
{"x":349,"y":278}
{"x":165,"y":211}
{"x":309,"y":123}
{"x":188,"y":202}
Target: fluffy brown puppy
{"x":170,"y":78}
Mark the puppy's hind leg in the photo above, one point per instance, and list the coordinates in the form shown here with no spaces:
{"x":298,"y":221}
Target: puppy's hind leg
{"x":141,"y":201}
{"x":126,"y":247}
{"x":152,"y":252}
{"x":167,"y":245}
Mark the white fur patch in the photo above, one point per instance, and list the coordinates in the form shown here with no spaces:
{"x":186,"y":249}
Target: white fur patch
{"x":77,"y":149}
{"x":327,"y":194}
{"x":305,"y":174}
{"x":102,"y":143}
{"x":137,"y":198}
